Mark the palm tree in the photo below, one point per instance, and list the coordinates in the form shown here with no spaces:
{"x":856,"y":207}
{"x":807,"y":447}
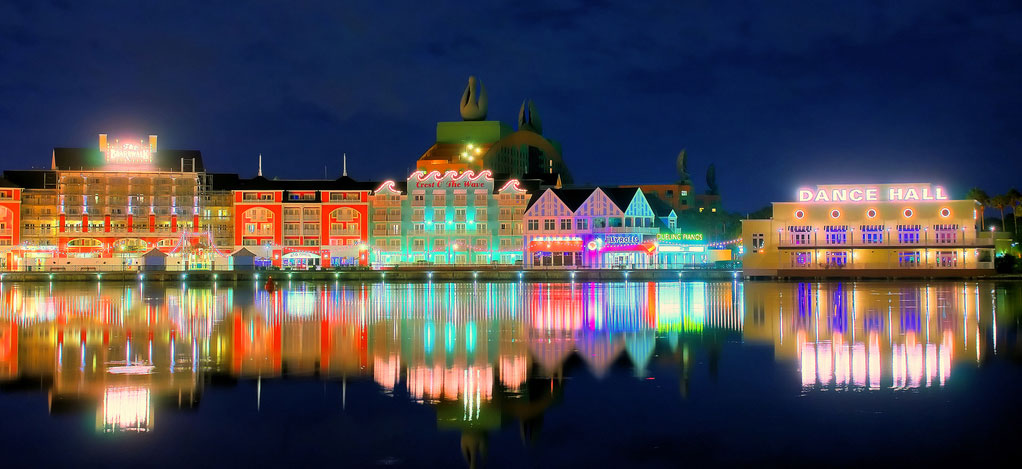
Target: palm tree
{"x":979,"y":195}
{"x":1015,"y":201}
{"x":1001,"y":201}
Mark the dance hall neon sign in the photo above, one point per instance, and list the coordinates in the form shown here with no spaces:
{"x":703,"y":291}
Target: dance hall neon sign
{"x":872,"y":193}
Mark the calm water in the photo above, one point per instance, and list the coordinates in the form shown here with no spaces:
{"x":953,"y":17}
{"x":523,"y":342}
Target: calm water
{"x":510,"y":375}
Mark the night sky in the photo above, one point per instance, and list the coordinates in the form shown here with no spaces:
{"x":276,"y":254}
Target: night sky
{"x":776,"y":94}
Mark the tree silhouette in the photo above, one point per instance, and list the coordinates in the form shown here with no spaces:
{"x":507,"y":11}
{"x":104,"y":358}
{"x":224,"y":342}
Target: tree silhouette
{"x":1001,"y":201}
{"x":979,"y":195}
{"x":1015,"y":201}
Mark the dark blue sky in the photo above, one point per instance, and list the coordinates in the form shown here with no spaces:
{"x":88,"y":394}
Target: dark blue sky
{"x":777,"y":94}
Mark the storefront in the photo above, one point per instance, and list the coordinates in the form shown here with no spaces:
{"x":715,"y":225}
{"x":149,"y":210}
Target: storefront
{"x":677,"y":250}
{"x":556,"y":251}
{"x":869,"y":230}
{"x":301,"y":259}
{"x":622,"y":251}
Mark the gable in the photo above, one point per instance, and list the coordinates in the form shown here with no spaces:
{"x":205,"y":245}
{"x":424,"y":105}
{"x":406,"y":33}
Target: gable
{"x":639,"y":206}
{"x":548,"y":205}
{"x":599,"y":205}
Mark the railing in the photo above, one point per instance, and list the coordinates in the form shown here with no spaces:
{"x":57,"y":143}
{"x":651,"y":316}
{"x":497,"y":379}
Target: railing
{"x":972,"y":243}
{"x":893,"y":265}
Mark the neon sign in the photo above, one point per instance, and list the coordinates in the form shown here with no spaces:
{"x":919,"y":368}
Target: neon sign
{"x":678,"y":237}
{"x":622,"y":239}
{"x":872,"y":193}
{"x":128,"y":153}
{"x":450,"y":180}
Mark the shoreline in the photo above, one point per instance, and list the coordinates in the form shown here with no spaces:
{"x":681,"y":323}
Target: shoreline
{"x":422,"y":275}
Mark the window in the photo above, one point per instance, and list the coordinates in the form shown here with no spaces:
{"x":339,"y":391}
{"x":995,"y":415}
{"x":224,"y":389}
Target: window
{"x":439,"y":228}
{"x":439,"y":244}
{"x":549,"y":224}
{"x":872,"y":234}
{"x":758,"y":240}
{"x":533,"y":225}
{"x":581,"y":224}
{"x":684,"y":193}
{"x":418,"y":244}
{"x":799,"y":234}
{"x":908,"y":259}
{"x":908,"y":234}
{"x":837,"y":259}
{"x":481,"y":228}
{"x":418,"y":199}
{"x":836,"y":234}
{"x":565,"y":224}
{"x":945,"y":234}
{"x":947,"y":259}
{"x":438,"y":215}
{"x":802,"y":259}
{"x":669,"y":194}
{"x":459,"y":214}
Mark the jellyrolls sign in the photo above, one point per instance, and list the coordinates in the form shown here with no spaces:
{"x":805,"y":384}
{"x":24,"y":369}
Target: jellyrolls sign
{"x":624,"y":242}
{"x":856,"y":193}
{"x":622,"y":239}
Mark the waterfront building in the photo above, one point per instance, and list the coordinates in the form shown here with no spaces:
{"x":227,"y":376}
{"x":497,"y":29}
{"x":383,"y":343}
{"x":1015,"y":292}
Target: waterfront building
{"x":113,"y":203}
{"x":476,"y":144}
{"x":10,"y":221}
{"x":868,"y":229}
{"x":448,"y":218}
{"x":590,"y":228}
{"x":313,"y":223}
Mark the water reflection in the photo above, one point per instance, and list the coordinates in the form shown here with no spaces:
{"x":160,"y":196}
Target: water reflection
{"x":482,"y":355}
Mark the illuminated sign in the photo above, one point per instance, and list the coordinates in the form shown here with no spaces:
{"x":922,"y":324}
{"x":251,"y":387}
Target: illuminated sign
{"x":622,"y":239}
{"x":450,"y":180}
{"x":128,"y":153}
{"x":670,"y":238}
{"x":872,"y":193}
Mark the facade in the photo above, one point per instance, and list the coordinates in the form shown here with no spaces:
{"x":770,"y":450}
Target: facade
{"x":862,"y":230}
{"x":303,"y":223}
{"x":10,"y":222}
{"x":113,"y":203}
{"x":448,"y":218}
{"x":590,"y":228}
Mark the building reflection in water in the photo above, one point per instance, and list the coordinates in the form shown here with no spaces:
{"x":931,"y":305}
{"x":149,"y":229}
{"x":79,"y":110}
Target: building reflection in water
{"x":482,"y":354}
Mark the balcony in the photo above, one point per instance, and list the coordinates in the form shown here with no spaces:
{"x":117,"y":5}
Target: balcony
{"x":626,"y":229}
{"x":927,"y":244}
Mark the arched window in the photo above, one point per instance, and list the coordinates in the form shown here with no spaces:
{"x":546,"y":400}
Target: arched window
{"x":345,"y":214}
{"x":257,"y":214}
{"x":84,"y":243}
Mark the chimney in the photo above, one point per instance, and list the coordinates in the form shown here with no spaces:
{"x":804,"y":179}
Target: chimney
{"x":102,"y":143}
{"x":152,"y":143}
